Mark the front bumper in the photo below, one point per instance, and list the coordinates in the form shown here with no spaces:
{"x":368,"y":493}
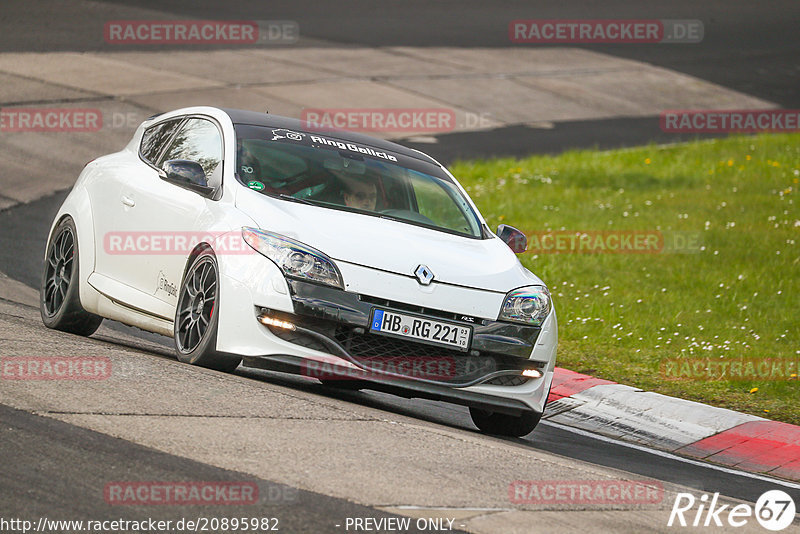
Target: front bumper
{"x":332,"y":328}
{"x":410,"y":389}
{"x":337,"y":322}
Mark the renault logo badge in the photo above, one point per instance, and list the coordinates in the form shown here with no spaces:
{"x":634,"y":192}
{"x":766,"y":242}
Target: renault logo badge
{"x":424,"y":275}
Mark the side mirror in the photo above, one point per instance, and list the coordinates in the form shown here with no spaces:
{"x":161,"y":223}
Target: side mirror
{"x":512,"y":237}
{"x":187,"y":174}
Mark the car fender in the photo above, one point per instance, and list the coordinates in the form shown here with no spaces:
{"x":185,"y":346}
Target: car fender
{"x":78,"y":206}
{"x":535,"y":392}
{"x":248,"y":281}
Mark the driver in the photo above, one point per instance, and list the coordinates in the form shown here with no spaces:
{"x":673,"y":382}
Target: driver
{"x":357,"y":188}
{"x":360,"y":194}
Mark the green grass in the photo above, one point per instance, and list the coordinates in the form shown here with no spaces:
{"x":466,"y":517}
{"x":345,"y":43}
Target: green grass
{"x":621,"y":315}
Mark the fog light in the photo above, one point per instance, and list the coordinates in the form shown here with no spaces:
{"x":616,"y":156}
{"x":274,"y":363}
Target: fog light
{"x":271,"y":321}
{"x":532,"y":373}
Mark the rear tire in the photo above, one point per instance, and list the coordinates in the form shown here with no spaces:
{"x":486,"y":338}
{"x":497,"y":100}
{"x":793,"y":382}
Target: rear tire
{"x":59,"y":293}
{"x":500,"y":424}
{"x":195,"y":330}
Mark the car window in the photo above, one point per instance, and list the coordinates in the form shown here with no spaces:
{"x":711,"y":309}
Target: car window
{"x":256,"y":160}
{"x":155,"y":138}
{"x":351,"y":176}
{"x":198,"y":140}
{"x":439,"y":202}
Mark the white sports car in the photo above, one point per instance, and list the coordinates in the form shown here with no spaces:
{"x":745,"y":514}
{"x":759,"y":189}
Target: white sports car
{"x":253,"y":240}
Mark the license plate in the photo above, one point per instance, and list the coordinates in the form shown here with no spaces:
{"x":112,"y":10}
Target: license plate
{"x":420,"y":328}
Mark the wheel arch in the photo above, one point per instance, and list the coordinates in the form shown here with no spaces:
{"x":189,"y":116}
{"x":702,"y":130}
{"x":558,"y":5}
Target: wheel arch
{"x":78,"y":207}
{"x":196,"y":251}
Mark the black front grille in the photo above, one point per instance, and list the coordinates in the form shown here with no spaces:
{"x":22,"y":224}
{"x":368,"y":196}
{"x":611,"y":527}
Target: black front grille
{"x":420,"y":360}
{"x":420,"y":310}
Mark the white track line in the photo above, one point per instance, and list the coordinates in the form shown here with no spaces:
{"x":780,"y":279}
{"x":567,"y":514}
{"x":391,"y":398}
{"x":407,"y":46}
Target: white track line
{"x":671,"y":456}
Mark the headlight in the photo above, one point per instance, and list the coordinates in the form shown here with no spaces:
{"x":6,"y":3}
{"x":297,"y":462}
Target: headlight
{"x":529,"y":305}
{"x":294,"y":258}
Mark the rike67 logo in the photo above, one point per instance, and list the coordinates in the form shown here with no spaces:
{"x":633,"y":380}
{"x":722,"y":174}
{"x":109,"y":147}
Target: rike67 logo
{"x":774,"y":510}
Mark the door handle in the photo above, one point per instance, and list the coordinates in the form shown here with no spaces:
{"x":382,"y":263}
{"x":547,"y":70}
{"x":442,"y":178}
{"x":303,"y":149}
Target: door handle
{"x":128,"y":201}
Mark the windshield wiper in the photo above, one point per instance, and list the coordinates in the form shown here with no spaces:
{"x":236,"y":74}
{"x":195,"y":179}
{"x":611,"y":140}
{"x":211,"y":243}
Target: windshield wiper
{"x":290,"y":198}
{"x":393,"y":218}
{"x":295,"y":199}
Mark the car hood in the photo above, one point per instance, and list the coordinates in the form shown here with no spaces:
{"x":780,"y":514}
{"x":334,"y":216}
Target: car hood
{"x":390,"y":245}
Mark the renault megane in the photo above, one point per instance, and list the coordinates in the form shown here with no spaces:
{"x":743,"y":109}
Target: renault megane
{"x":253,"y":239}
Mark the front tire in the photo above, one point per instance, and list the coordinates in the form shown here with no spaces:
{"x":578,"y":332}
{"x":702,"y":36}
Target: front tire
{"x":500,"y":424}
{"x":195,"y":331}
{"x":59,"y":293}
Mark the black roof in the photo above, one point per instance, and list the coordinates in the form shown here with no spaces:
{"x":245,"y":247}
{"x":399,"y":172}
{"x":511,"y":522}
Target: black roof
{"x":239,"y":116}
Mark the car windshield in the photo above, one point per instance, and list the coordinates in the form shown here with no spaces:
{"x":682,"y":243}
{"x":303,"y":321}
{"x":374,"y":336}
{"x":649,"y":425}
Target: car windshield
{"x":322,"y":170}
